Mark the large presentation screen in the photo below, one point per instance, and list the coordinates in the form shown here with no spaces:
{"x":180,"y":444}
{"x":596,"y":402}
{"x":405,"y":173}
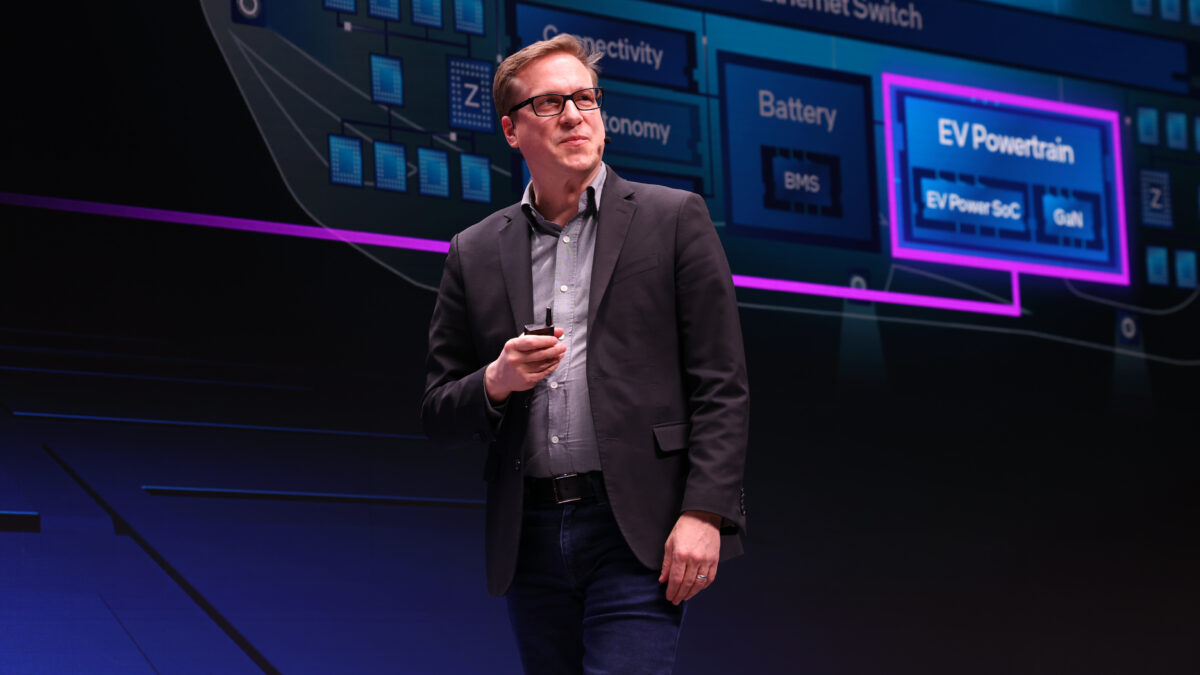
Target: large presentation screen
{"x":989,"y":179}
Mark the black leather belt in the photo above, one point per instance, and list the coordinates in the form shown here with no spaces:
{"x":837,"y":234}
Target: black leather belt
{"x":564,"y":489}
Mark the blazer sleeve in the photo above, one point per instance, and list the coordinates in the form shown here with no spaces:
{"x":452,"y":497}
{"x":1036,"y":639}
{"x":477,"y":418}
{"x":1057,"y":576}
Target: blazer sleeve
{"x":454,"y":408}
{"x":714,"y":368}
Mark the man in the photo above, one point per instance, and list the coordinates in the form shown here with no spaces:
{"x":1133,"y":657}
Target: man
{"x":617,"y":444}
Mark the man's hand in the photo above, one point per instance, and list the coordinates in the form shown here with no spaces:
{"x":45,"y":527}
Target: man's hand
{"x":693,"y":550}
{"x":524,"y":361}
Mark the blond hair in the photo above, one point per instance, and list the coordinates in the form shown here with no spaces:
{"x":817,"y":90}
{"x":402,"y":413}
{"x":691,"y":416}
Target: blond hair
{"x":507,"y":71}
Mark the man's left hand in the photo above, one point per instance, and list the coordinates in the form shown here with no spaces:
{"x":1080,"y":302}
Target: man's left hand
{"x":691,"y":555}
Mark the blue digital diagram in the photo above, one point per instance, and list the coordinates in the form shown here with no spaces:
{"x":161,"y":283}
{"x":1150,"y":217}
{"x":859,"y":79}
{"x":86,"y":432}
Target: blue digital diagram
{"x":371,"y":107}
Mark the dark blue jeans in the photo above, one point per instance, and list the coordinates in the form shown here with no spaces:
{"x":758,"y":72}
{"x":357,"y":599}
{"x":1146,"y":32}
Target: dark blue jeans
{"x":582,"y":603}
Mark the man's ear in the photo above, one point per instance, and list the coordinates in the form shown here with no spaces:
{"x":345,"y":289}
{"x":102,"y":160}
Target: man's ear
{"x":510,"y":132}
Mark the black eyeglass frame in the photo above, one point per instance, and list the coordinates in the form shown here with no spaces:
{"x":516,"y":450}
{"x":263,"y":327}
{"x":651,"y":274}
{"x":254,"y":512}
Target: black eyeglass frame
{"x":599,"y":92}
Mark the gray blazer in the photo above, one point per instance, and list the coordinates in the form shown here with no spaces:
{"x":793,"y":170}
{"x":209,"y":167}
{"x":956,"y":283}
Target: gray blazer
{"x":666,"y":367}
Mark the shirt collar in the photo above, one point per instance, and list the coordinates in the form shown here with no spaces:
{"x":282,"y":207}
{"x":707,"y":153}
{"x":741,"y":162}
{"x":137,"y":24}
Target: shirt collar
{"x":589,"y":201}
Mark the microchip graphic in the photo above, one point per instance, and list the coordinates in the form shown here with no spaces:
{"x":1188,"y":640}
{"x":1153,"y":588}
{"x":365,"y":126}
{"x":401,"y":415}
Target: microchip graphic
{"x":1147,"y":126}
{"x":971,"y":205}
{"x":1156,"y":198}
{"x":469,"y":86}
{"x":1176,"y":130}
{"x":427,"y":13}
{"x":434,"y":167}
{"x":1170,"y":10}
{"x":387,"y":80}
{"x":1068,"y":215}
{"x":805,"y":182}
{"x":468,"y":16}
{"x":384,"y":9}
{"x":1185,"y":269}
{"x":1157,"y":272}
{"x":345,"y":161}
{"x":476,"y":179}
{"x":391,"y":167}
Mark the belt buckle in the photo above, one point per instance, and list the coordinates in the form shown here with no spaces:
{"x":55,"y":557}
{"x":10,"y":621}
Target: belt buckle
{"x":554,"y":484}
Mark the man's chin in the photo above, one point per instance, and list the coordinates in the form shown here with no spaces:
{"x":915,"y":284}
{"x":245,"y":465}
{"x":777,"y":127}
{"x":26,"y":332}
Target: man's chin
{"x":581,"y":162}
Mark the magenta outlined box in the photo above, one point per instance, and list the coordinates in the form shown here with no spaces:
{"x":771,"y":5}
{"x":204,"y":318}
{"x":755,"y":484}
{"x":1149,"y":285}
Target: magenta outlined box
{"x":1008,"y":103}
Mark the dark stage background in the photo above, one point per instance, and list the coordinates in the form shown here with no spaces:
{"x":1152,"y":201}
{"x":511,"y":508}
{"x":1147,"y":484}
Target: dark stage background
{"x":210,"y":452}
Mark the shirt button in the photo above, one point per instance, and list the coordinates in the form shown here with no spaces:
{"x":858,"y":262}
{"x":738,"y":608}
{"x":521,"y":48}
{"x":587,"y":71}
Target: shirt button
{"x":566,"y":239}
{"x":563,"y":288}
{"x":554,"y":439}
{"x":554,"y":385}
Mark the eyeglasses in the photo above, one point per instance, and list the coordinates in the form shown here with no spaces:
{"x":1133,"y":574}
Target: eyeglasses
{"x":550,"y":105}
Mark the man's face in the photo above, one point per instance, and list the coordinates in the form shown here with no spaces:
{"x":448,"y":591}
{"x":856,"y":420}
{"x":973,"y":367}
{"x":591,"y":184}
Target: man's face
{"x":567,"y":146}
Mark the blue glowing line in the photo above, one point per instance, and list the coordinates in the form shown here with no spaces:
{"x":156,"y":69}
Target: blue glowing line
{"x":217,"y":425}
{"x":164,"y":378}
{"x":290,"y":494}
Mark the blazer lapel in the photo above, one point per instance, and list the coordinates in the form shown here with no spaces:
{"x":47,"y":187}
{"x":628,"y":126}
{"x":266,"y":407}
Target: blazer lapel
{"x":517,"y":267}
{"x":617,"y":208}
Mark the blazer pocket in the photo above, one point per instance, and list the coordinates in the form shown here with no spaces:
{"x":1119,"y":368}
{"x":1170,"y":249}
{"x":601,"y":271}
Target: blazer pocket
{"x":671,"y":436}
{"x":635,"y":267}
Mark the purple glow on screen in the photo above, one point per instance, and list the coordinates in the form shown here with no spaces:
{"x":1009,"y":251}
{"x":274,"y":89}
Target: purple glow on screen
{"x":436,"y":246}
{"x":226,"y":222}
{"x":890,"y":297}
{"x":891,"y":80}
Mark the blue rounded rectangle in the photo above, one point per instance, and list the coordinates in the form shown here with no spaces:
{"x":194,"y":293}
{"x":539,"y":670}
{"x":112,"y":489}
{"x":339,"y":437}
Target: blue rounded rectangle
{"x":1176,"y":124}
{"x":1022,"y":154}
{"x":1156,"y":198}
{"x":1147,"y":126}
{"x":469,"y":90}
{"x":391,"y":167}
{"x":345,"y":161}
{"x":427,"y":13}
{"x":779,"y":117}
{"x":1157,"y":273}
{"x":632,"y":51}
{"x":468,"y":16}
{"x":384,"y":9}
{"x":1185,"y":269}
{"x":801,"y":182}
{"x":651,"y":127}
{"x":1065,"y":217}
{"x":978,"y":205}
{"x":476,"y":179}
{"x":434,"y":169}
{"x":387,"y":80}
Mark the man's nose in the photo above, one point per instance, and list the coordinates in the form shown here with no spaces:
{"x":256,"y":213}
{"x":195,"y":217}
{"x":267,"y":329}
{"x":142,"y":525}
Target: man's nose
{"x":571,"y":112}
